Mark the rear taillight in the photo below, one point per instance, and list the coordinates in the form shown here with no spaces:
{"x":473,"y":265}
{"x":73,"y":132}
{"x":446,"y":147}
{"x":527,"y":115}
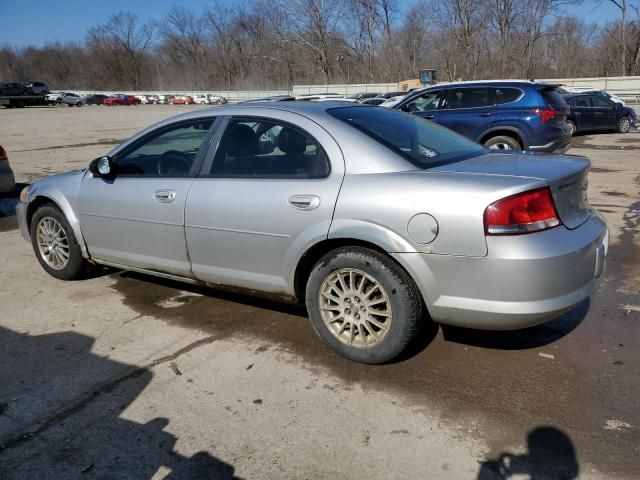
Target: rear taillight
{"x":525,"y":212}
{"x":546,"y":114}
{"x":3,"y":153}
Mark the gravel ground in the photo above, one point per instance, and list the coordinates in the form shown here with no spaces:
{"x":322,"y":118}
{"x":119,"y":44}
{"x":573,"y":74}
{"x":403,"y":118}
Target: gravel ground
{"x":131,"y":377}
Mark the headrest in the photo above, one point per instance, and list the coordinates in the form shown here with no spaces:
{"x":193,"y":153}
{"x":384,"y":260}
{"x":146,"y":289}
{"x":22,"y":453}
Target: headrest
{"x":241,"y":141}
{"x":290,"y":141}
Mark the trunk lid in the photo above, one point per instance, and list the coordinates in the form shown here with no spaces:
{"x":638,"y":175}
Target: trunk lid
{"x":565,"y":175}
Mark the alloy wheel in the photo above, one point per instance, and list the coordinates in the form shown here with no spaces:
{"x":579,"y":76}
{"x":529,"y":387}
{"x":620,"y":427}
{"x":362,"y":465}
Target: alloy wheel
{"x":355,"y":307}
{"x":53,"y":243}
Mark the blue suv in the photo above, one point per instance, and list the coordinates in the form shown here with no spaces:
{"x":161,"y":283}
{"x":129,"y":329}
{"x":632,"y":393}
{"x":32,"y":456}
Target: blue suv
{"x":505,"y":115}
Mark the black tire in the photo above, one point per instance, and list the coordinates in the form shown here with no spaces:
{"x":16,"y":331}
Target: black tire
{"x":70,"y":104}
{"x":77,"y":266}
{"x":572,"y":127}
{"x":624,"y":125}
{"x":406,"y":303}
{"x":79,"y":104}
{"x":503,"y":142}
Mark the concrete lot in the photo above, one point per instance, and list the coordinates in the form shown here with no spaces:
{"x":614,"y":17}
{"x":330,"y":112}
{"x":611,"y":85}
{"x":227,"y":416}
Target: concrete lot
{"x":129,"y":377}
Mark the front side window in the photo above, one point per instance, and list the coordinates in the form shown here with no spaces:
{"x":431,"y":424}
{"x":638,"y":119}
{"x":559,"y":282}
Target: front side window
{"x":468,"y":98}
{"x":423,"y":143}
{"x":167,"y":152}
{"x":427,"y":101}
{"x":260,"y":148}
{"x":600,"y":102}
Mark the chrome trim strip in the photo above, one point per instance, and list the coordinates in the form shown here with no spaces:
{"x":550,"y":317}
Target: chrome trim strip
{"x":232,"y":230}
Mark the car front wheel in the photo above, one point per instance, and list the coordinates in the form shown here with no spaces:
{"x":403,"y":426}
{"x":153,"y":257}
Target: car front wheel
{"x":624,"y":125}
{"x":55,"y":245}
{"x":363,"y":305}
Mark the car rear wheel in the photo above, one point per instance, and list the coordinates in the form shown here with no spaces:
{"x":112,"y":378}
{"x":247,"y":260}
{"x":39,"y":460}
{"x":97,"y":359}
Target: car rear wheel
{"x":55,"y":244}
{"x":363,"y":305}
{"x":572,"y":127}
{"x":502,"y":142}
{"x":624,"y":125}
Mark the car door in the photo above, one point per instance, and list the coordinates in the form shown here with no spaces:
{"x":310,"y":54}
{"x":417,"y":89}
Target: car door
{"x":605,"y":110}
{"x":137,"y":218}
{"x":263,"y":197}
{"x":582,"y":113}
{"x":468,"y":111}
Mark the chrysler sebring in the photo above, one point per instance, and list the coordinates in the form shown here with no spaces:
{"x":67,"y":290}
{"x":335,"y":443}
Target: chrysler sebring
{"x":377,"y":220}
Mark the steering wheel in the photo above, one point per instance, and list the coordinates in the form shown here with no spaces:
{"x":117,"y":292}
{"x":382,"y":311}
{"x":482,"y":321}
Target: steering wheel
{"x":173,"y":162}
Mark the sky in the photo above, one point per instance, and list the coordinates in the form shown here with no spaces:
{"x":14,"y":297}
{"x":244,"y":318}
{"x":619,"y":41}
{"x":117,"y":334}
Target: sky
{"x":36,"y":22}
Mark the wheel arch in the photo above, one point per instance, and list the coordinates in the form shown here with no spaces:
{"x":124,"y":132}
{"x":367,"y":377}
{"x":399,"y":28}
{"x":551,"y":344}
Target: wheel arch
{"x":507,"y":131}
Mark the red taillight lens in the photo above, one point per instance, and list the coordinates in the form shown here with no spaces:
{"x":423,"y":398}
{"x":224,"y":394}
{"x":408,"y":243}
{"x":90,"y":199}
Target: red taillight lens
{"x":546,"y":114}
{"x":3,"y":153}
{"x":526,"y":212}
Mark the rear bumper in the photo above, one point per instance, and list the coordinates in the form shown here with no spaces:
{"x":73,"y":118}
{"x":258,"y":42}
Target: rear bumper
{"x":559,"y":145}
{"x":524,"y":280}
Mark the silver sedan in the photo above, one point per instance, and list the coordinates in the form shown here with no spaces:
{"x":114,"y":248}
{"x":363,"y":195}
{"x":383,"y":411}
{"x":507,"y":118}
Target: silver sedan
{"x":377,"y":220}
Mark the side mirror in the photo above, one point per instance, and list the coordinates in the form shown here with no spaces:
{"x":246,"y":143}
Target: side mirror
{"x":103,"y":167}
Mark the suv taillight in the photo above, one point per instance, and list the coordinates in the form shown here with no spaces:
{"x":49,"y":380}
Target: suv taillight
{"x":3,"y":153}
{"x":546,"y":114}
{"x":525,"y":212}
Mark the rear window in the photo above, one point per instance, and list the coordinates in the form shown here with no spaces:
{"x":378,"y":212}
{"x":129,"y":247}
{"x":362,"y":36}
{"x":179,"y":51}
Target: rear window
{"x":553,"y":97}
{"x":421,"y":142}
{"x":506,"y":95}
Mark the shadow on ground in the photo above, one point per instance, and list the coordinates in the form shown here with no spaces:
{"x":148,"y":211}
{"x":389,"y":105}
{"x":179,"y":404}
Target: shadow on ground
{"x":60,"y":407}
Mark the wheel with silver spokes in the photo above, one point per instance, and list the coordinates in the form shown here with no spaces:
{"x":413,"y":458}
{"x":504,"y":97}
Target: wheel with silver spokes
{"x":502,"y":142}
{"x":363,"y":305}
{"x":53,"y":243}
{"x":624,"y":125}
{"x":355,"y":307}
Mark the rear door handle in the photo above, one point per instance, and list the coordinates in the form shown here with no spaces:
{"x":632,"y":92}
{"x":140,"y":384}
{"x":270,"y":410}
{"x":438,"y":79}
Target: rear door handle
{"x":429,"y":117}
{"x":486,"y":114}
{"x":304,"y":202}
{"x":164,"y":196}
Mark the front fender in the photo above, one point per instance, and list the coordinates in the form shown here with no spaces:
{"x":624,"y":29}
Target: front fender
{"x":61,"y":190}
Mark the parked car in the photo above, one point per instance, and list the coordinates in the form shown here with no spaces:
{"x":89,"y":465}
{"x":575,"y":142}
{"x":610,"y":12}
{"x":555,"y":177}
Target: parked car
{"x":95,"y":99}
{"x":273,"y":98}
{"x":360,"y":97}
{"x":375,"y":219}
{"x":389,"y":95}
{"x":120,"y":99}
{"x":54,"y":97}
{"x":12,"y":89}
{"x":36,"y":88}
{"x":7,"y":180}
{"x":373,"y":101}
{"x":391,"y":102}
{"x":592,"y":112}
{"x":564,"y":90}
{"x":72,"y":99}
{"x":181,"y":100}
{"x":503,"y":115}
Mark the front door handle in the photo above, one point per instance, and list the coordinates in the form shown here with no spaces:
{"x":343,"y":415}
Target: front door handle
{"x":486,"y":114}
{"x":164,"y":196}
{"x":304,"y":202}
{"x":429,"y":117}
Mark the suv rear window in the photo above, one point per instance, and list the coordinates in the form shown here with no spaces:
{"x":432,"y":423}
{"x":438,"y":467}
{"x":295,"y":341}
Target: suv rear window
{"x":421,"y":142}
{"x":553,"y":97}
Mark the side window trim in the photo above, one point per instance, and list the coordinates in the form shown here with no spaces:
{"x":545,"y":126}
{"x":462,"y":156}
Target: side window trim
{"x":214,"y":145}
{"x":159,"y":131}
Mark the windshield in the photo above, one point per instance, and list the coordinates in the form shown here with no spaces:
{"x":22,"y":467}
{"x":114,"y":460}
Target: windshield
{"x":423,"y":143}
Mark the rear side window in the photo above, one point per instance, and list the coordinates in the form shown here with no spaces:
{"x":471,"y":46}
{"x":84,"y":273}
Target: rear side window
{"x":423,"y":143}
{"x":260,"y":148}
{"x":506,"y":95}
{"x":580,"y":102}
{"x":553,"y":98}
{"x":600,"y":102}
{"x":468,"y":98}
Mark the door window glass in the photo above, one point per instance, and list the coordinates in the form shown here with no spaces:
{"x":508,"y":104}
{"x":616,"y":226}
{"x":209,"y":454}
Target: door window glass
{"x":468,"y":98}
{"x":168,"y":152}
{"x":426,"y":101}
{"x":263,"y":148}
{"x":580,"y":102}
{"x":600,"y":102}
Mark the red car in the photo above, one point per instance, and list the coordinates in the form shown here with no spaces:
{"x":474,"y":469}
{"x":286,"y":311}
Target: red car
{"x":181,"y":100}
{"x":120,"y":100}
